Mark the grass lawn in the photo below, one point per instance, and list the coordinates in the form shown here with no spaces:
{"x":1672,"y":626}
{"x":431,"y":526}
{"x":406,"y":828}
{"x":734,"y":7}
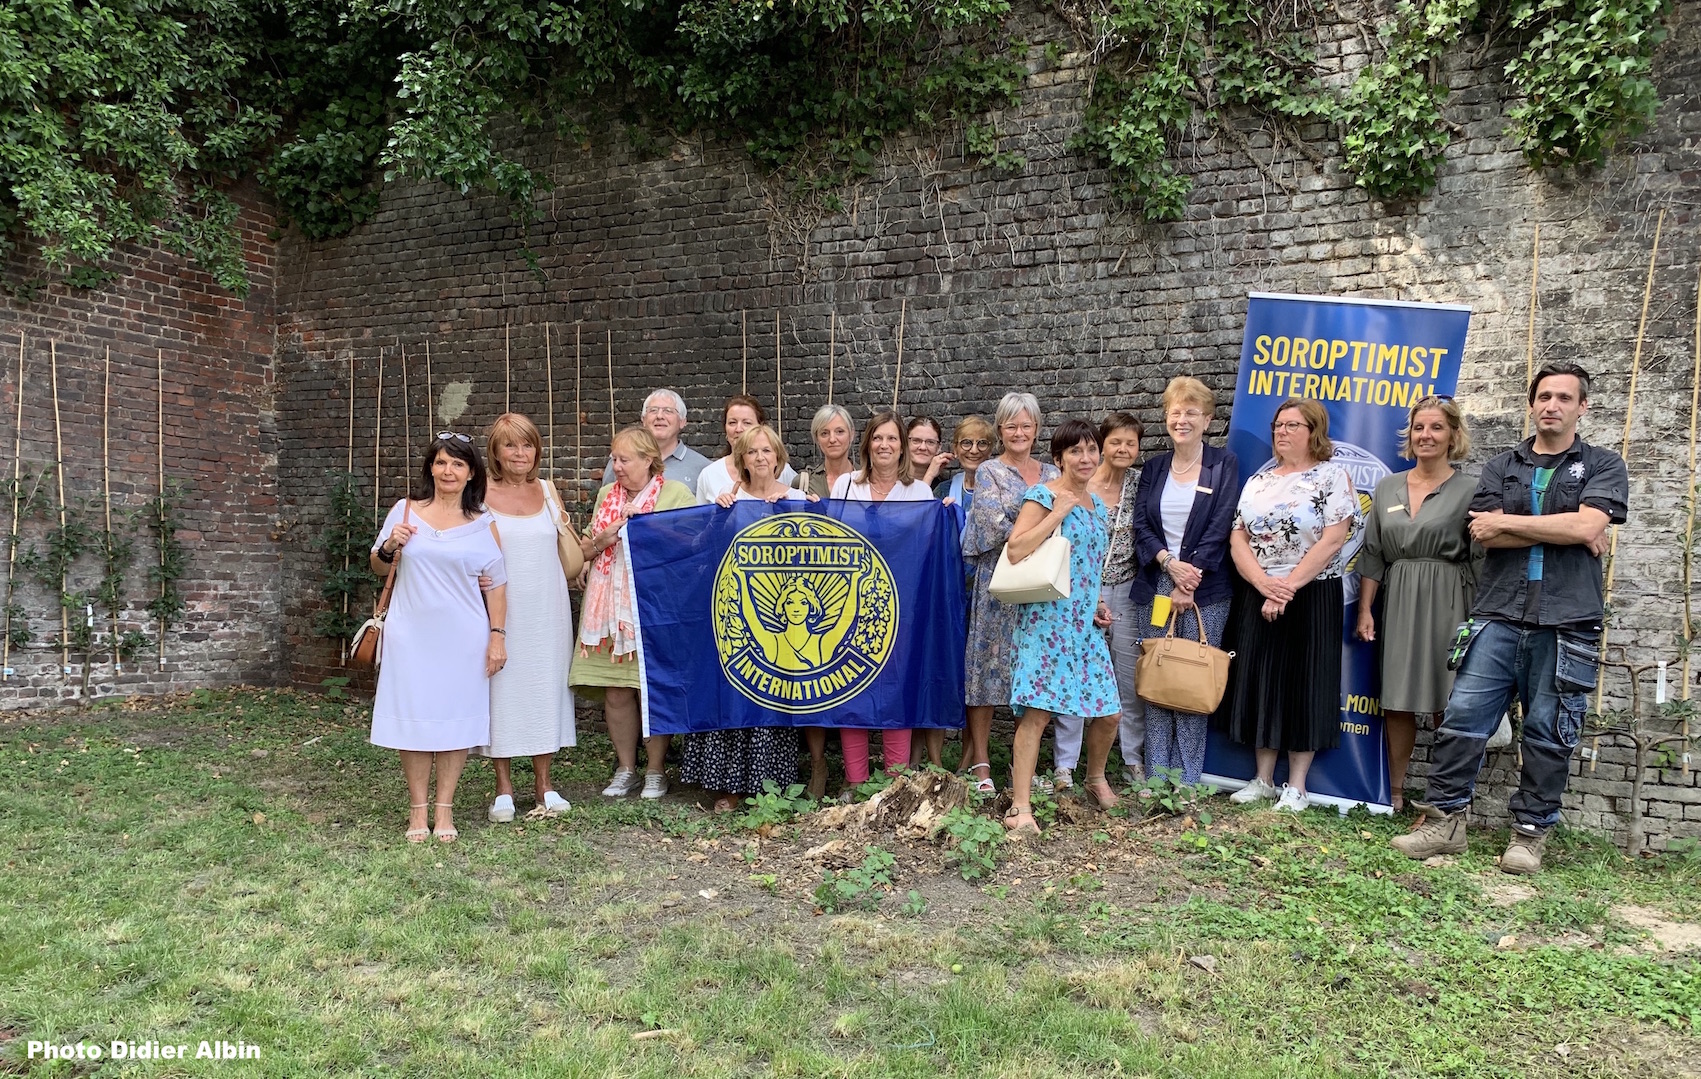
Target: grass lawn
{"x":231,"y":868}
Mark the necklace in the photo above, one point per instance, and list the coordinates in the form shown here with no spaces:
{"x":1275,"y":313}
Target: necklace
{"x":1176,"y":468}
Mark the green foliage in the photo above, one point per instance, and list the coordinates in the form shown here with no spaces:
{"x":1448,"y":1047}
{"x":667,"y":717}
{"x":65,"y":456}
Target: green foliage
{"x":981,"y":142}
{"x":1584,"y":76}
{"x":1166,"y":792}
{"x":1686,"y":849}
{"x":975,"y":839}
{"x":164,"y":517}
{"x":336,"y":688}
{"x":116,"y":547}
{"x":776,"y":805}
{"x":116,"y":122}
{"x":1167,"y":60}
{"x":1392,"y":132}
{"x":915,"y":905}
{"x":859,"y":887}
{"x":346,"y":542}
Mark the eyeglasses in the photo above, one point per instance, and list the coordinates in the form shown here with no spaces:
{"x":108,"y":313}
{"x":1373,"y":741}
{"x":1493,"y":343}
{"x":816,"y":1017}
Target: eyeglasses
{"x":1290,"y":425}
{"x":661,"y":410}
{"x":974,"y":443}
{"x":1188,"y":414}
{"x":925,"y":443}
{"x":445,"y":436}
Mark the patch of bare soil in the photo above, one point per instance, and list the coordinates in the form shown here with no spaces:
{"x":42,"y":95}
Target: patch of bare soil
{"x":1664,"y":933}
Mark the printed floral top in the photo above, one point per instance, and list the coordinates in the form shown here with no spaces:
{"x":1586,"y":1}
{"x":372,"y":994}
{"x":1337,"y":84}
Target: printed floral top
{"x":1284,"y":516}
{"x":1119,"y":562}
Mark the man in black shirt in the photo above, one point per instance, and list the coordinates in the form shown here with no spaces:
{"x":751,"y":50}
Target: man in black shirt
{"x":1541,"y":510}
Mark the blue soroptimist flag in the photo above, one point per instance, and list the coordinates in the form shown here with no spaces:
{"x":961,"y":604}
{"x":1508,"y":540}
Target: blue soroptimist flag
{"x":825,"y":614}
{"x":1366,"y":362}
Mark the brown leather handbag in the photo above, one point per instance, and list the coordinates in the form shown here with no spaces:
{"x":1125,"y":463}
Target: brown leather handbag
{"x":366,"y":650}
{"x":1182,"y":675}
{"x":566,"y":538}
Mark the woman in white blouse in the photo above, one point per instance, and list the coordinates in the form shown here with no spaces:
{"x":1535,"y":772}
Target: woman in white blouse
{"x":741,"y":413}
{"x":885,"y":476}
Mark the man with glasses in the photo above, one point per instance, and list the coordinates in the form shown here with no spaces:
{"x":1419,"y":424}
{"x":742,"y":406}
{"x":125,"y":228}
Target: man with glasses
{"x":1541,"y":511}
{"x":664,"y":418}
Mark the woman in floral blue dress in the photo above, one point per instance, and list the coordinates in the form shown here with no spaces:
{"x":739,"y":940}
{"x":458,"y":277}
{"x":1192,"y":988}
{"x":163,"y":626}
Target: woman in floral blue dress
{"x":999,"y":487}
{"x":1062,"y":663}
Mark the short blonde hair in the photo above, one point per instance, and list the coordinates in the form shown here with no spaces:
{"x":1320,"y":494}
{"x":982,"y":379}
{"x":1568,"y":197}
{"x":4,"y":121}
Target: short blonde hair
{"x":741,"y":446}
{"x":1187,"y":390}
{"x":973,"y":427}
{"x":511,"y":428}
{"x":1317,"y":447}
{"x":641,"y":442}
{"x":1458,"y":435}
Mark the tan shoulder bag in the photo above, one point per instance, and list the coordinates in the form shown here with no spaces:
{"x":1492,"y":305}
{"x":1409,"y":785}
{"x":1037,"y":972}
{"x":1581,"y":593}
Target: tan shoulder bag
{"x":1182,"y":675}
{"x":366,"y":650}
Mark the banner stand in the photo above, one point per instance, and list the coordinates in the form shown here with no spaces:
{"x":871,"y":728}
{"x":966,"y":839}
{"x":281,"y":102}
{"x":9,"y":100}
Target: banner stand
{"x":1343,"y":806}
{"x":1366,"y":361}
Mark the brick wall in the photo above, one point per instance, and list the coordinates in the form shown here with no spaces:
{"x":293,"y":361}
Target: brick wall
{"x":1029,"y":281}
{"x":215,"y":351}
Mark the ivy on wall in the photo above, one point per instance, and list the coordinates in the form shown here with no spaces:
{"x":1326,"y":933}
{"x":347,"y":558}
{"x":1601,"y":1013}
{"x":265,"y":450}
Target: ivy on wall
{"x":127,"y":121}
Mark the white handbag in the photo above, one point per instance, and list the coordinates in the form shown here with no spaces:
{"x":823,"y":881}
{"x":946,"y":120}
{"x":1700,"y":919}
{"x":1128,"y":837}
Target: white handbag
{"x":1039,"y":578}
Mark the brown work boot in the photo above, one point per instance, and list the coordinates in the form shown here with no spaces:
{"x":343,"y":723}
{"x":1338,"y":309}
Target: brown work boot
{"x":1524,"y":853}
{"x":1440,"y":833}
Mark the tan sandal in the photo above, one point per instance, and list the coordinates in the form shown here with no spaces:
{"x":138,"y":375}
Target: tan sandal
{"x":726,"y":804}
{"x":1018,"y":830}
{"x":451,"y":833}
{"x":1091,"y":787}
{"x":417,"y":835}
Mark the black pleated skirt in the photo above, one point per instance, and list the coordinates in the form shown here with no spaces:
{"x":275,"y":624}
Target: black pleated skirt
{"x":1285,"y":682}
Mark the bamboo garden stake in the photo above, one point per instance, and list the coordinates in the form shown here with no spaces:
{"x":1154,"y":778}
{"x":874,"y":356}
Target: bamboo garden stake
{"x":17,"y":490}
{"x":407,"y":412}
{"x":106,"y":483}
{"x":159,"y":449}
{"x":507,"y":372}
{"x":343,"y":659}
{"x":549,"y":398}
{"x":1624,"y":452}
{"x":1530,"y":343}
{"x":744,"y":344}
{"x":430,"y":402}
{"x":1689,"y":531}
{"x":610,"y":355}
{"x":578,"y":412}
{"x":59,"y":472}
{"x":903,"y":311}
{"x":832,"y":350}
{"x":377,"y":439}
{"x":779,"y":383}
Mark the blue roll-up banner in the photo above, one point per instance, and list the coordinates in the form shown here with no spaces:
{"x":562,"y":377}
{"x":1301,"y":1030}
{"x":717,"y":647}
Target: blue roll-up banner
{"x":1366,"y":362}
{"x":822,"y":614}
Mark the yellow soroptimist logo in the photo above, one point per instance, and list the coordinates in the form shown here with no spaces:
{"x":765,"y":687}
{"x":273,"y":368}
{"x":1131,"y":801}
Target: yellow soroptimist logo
{"x":805,"y":613}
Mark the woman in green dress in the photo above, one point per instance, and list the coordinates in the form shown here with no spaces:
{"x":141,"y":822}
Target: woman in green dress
{"x":1418,"y":556}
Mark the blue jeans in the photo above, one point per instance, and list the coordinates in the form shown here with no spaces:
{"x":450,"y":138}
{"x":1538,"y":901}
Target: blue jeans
{"x":1552,"y":681}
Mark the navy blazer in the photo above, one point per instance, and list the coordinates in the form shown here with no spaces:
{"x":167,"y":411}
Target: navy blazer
{"x":1205,"y":540}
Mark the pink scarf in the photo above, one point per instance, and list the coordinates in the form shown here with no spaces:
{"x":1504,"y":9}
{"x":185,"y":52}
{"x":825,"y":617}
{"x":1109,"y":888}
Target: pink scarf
{"x":608,"y":616}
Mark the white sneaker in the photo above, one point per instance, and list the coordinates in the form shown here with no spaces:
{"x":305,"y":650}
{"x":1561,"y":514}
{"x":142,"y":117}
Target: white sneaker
{"x":625,"y":781}
{"x":1255,"y":790}
{"x":554,"y":804}
{"x":1042,"y":785}
{"x":1063,"y":779}
{"x":655,"y":785}
{"x":1293,"y":800}
{"x":502,"y":810}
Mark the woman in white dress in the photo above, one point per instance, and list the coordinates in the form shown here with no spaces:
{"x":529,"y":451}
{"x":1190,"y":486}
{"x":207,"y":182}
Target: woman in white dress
{"x":531,"y":708}
{"x":443,"y":639}
{"x":741,"y":413}
{"x":885,"y":476}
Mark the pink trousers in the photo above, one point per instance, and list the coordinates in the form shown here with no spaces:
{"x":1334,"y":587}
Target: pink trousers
{"x":894,"y":744}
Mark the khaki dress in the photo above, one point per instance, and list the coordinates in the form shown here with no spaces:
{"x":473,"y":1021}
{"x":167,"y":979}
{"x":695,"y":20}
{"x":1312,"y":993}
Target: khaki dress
{"x":1427,"y":571}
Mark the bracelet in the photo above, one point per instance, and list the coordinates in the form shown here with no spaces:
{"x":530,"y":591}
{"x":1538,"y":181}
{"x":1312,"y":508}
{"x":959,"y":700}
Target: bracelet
{"x":499,"y":629}
{"x":385,"y":556}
